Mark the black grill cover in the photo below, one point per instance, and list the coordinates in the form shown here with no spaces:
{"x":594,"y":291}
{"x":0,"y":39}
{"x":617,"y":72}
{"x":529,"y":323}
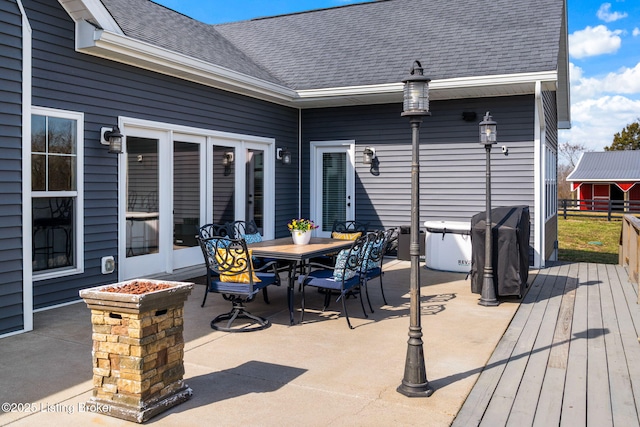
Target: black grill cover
{"x":510,"y":246}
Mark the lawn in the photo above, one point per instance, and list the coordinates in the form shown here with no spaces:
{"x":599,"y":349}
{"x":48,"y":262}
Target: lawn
{"x":588,"y":240}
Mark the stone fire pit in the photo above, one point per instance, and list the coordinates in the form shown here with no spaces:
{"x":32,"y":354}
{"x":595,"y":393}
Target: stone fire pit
{"x":138,"y":347}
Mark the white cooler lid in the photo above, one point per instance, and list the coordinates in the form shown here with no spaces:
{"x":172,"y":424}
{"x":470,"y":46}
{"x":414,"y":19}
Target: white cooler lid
{"x":448,"y":225}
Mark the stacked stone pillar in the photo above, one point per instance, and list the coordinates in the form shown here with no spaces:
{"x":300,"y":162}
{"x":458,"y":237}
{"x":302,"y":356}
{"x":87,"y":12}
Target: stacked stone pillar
{"x":138,"y":350}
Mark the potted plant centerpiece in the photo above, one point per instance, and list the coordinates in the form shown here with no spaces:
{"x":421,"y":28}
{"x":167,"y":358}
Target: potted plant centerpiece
{"x":301,"y":230}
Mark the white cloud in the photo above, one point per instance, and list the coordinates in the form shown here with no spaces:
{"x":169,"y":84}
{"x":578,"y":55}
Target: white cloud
{"x":594,"y":41}
{"x":595,"y":121}
{"x":624,"y":81}
{"x":636,"y":32}
{"x":605,"y":14}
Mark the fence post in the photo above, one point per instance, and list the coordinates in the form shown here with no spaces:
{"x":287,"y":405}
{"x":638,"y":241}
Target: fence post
{"x":609,"y":210}
{"x":564,"y":208}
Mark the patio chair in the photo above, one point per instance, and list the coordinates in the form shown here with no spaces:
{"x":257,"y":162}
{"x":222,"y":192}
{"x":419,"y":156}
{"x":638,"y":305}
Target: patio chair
{"x":378,"y":246}
{"x":208,"y":231}
{"x":230,"y":273}
{"x":343,"y":278}
{"x":248,"y":230}
{"x":348,"y":230}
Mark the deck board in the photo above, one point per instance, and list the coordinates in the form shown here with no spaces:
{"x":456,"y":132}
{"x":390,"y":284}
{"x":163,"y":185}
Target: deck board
{"x":570,"y":356}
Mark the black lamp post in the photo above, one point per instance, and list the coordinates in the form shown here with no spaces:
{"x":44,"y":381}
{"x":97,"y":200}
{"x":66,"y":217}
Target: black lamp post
{"x":416,"y":105}
{"x":488,"y":137}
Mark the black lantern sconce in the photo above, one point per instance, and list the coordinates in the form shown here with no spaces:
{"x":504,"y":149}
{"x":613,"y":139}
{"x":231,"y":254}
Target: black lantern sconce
{"x":113,"y":138}
{"x":368,"y":156}
{"x":227,"y":159}
{"x":283,"y":155}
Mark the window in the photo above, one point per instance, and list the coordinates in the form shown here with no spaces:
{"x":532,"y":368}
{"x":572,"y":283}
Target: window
{"x":551,"y":183}
{"x":56,"y":178}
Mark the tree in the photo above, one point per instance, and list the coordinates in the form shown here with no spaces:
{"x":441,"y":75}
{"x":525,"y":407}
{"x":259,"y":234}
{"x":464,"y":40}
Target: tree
{"x":571,"y":152}
{"x":564,"y":188}
{"x":628,"y":139}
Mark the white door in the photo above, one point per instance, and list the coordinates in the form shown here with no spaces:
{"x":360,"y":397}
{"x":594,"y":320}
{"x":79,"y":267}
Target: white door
{"x":332,"y":192}
{"x":146,"y":216}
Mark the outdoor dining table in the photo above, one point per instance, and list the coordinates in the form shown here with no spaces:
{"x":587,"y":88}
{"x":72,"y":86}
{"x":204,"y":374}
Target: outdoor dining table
{"x":284,"y":249}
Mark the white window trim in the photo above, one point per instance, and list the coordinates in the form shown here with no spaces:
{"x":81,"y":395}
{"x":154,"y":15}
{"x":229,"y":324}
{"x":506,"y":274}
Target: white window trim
{"x":78,"y":267}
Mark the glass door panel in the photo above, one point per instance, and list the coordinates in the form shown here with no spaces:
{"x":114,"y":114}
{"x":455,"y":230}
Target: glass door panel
{"x":224,"y":184}
{"x":334,"y":192}
{"x":186,"y":194}
{"x":142,"y":215}
{"x":254,"y":209}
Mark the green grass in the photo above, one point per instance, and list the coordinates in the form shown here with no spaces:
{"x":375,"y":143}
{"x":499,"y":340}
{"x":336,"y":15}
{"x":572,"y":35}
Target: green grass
{"x":588,"y":240}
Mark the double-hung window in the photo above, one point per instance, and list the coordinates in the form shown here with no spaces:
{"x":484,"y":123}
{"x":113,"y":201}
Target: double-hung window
{"x":56,"y":184}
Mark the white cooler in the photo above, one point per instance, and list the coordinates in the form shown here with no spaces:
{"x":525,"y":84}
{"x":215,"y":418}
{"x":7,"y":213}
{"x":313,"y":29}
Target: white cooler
{"x":448,"y":245}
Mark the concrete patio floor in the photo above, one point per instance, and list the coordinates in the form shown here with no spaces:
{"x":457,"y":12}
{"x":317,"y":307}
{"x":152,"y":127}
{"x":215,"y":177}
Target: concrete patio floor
{"x":319,"y":373}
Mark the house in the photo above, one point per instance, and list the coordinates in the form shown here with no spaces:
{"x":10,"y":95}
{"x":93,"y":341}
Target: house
{"x":207,"y":110}
{"x":609,"y":176}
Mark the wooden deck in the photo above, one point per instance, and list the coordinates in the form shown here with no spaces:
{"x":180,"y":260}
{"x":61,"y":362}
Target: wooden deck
{"x":570,"y":356}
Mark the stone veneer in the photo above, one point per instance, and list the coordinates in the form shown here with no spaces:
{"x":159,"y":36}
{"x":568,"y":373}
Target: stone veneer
{"x":138,"y":350}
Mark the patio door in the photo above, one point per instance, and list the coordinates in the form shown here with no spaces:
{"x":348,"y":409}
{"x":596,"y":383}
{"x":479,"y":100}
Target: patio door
{"x":175,"y":179}
{"x":241,"y":183}
{"x":332,"y":187}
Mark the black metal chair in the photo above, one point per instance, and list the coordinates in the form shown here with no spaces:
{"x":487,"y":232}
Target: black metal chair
{"x":248,"y":230}
{"x":343,"y":278}
{"x":349,"y":230}
{"x":382,"y":242}
{"x":230,"y":273}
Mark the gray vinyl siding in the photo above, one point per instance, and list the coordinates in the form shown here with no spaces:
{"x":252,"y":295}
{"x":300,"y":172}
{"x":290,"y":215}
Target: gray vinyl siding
{"x":452,"y":162}
{"x":104,"y":90}
{"x":551,"y":135}
{"x":11,"y":286}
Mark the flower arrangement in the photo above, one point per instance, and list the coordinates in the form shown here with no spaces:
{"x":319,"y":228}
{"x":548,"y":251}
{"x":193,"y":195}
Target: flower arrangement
{"x":301,"y":224}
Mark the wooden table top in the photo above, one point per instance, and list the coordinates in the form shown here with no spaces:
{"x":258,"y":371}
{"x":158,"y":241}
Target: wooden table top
{"x":284,"y":248}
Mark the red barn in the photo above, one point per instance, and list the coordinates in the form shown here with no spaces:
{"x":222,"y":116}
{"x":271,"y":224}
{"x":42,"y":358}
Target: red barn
{"x":601,"y":177}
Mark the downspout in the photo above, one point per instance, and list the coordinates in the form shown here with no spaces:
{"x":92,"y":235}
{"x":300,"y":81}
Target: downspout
{"x":299,"y":162}
{"x":27,"y":273}
{"x":539,"y":176}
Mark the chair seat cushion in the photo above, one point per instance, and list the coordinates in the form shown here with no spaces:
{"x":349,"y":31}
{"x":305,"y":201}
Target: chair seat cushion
{"x":238,"y":288}
{"x":325,"y":279}
{"x":374,"y":272}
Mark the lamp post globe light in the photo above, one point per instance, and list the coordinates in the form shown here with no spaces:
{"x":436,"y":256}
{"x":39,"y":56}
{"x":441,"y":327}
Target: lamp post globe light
{"x":488,"y":137}
{"x":415,"y":106}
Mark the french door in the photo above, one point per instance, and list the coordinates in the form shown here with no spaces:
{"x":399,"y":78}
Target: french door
{"x":174,"y":180}
{"x":332,"y":189}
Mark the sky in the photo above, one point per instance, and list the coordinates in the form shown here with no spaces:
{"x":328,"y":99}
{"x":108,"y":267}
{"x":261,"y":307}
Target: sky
{"x":604,"y":57}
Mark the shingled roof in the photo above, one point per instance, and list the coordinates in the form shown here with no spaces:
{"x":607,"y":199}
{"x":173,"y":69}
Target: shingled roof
{"x":362,"y":44}
{"x":375,"y":43}
{"x":607,"y":166}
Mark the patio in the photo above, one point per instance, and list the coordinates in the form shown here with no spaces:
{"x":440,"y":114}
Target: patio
{"x":318,"y":373}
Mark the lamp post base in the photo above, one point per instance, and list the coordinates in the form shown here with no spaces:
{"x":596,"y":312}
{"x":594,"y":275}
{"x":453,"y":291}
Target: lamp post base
{"x":488,"y":296}
{"x":415,"y":383}
{"x":415,"y":390}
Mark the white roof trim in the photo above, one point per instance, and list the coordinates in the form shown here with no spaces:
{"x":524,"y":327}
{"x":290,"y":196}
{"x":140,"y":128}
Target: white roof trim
{"x":127,"y":50}
{"x":140,"y":54}
{"x":92,"y":11}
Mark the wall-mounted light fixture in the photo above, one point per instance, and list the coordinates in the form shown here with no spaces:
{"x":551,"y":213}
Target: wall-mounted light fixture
{"x":112,"y":137}
{"x":368,"y":155}
{"x":227,"y":158}
{"x":284,"y":155}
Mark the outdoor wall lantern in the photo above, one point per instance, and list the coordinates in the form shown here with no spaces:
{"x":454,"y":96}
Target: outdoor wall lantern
{"x":227,"y":159}
{"x":283,"y":155}
{"x":368,"y":155}
{"x":488,"y":137}
{"x":415,"y":106}
{"x":112,"y":137}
